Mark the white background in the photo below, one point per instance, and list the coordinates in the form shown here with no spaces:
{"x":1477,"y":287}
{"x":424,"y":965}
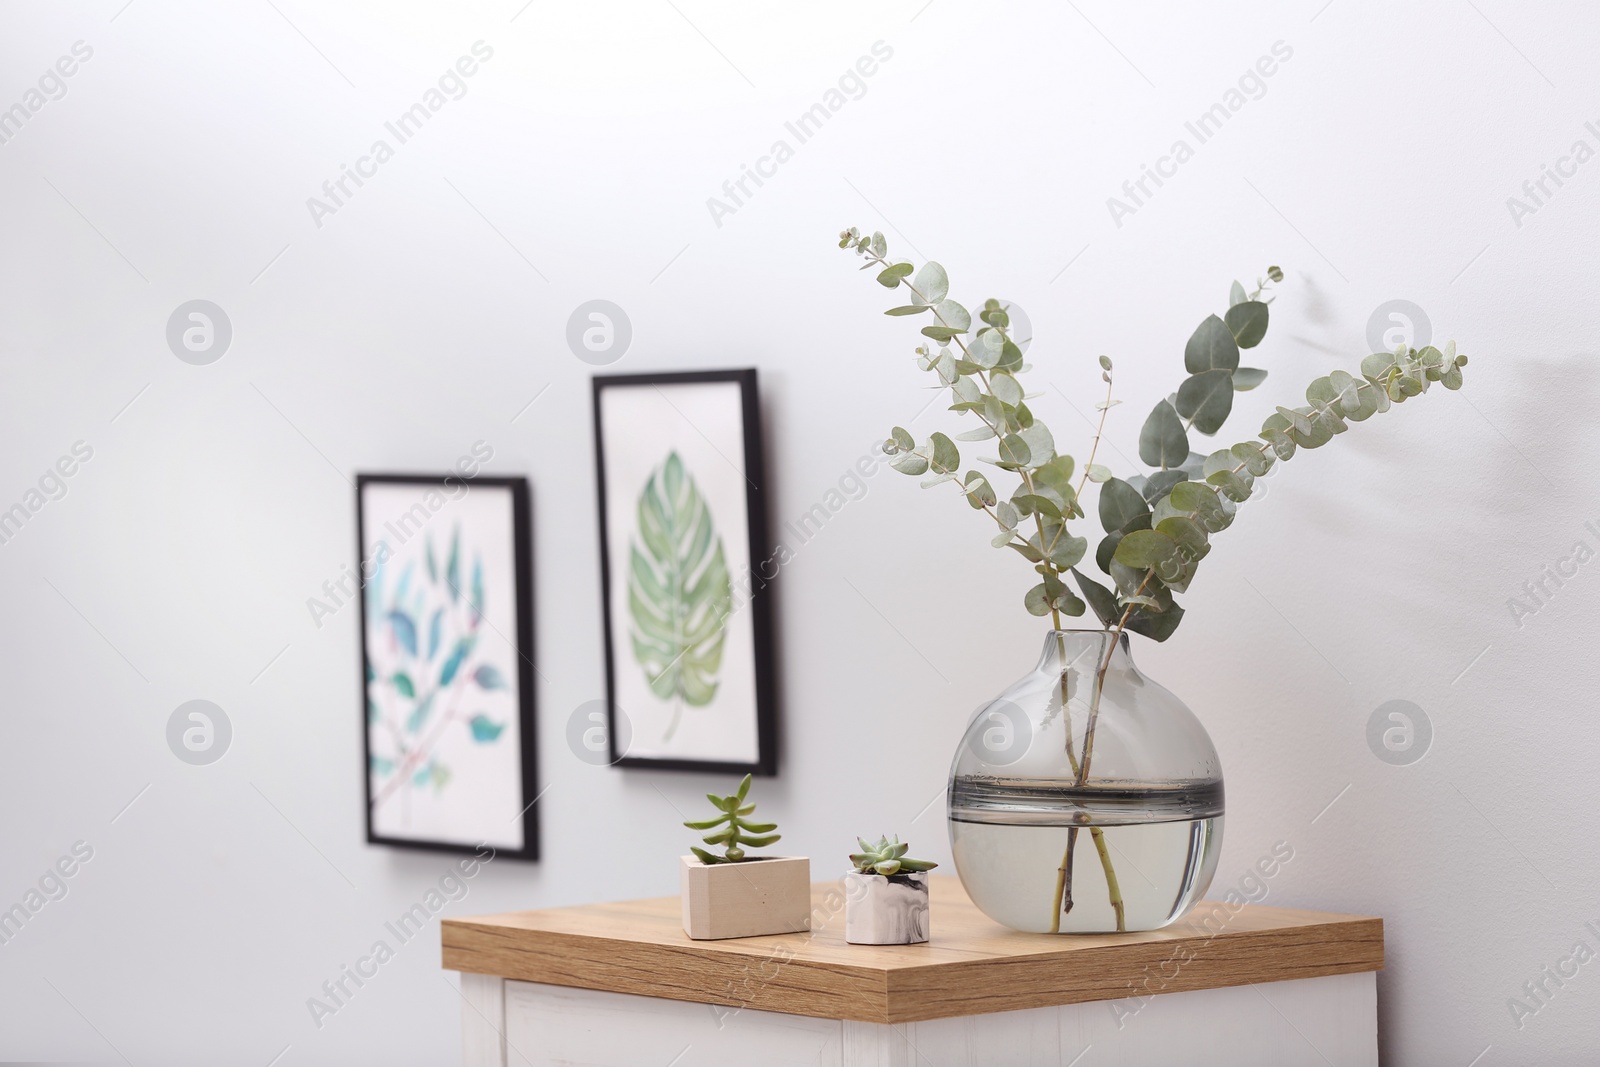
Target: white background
{"x":704,"y":424}
{"x":431,"y":309}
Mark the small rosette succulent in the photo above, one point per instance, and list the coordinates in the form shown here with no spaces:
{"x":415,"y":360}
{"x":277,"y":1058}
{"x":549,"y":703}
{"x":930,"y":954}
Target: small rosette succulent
{"x":887,"y":858}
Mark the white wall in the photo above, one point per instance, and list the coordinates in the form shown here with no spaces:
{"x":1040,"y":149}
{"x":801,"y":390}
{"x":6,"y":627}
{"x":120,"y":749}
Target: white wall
{"x":425,"y":313}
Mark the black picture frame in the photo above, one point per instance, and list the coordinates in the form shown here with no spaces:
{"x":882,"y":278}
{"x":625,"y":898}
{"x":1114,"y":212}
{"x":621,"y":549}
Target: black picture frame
{"x":760,"y":586}
{"x":522,"y":641}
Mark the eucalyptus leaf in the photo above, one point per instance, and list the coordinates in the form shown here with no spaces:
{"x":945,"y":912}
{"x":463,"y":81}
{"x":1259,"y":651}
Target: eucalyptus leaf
{"x":1206,"y":399}
{"x":1346,"y":390}
{"x":1119,"y":504}
{"x":1163,"y":442}
{"x":1014,"y":451}
{"x":1298,"y":421}
{"x":1158,"y":626}
{"x":1275,"y":431}
{"x":946,"y":456}
{"x":1106,"y":549}
{"x":1255,"y":460}
{"x":1378,"y":366}
{"x":1065,"y":551}
{"x":1247,"y":378}
{"x":1145,"y":549}
{"x":1036,"y":504}
{"x":979,"y":492}
{"x":1221,"y":460}
{"x":953,"y":314}
{"x":931,"y":283}
{"x":1211,"y":347}
{"x":910,"y":463}
{"x":985,"y":351}
{"x":1027,"y":551}
{"x":1157,"y":484}
{"x":1370,"y":400}
{"x":1101,"y":599}
{"x":1041,"y":446}
{"x":1130,"y":581}
{"x":1190,"y":537}
{"x":1248,"y":323}
{"x":1235,"y":484}
{"x":1005,"y":389}
{"x":890,"y":276}
{"x":965,"y":391}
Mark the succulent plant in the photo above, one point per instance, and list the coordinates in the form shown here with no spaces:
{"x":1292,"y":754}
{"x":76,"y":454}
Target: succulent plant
{"x":736,"y":833}
{"x":886,"y":858}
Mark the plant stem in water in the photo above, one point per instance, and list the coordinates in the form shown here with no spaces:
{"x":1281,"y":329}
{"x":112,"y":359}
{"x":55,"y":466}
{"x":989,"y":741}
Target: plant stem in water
{"x":1063,"y":895}
{"x":1111,"y":876}
{"x":1063,"y":901}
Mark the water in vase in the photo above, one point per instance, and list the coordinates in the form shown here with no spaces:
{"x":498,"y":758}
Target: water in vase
{"x":1010,"y":837}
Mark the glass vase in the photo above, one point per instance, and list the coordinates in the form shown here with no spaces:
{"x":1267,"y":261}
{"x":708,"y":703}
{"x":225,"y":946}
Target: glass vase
{"x":1086,"y":798}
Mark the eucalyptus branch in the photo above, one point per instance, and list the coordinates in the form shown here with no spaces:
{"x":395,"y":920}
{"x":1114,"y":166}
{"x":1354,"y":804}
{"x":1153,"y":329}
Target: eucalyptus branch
{"x":1099,"y":431}
{"x":983,"y":380}
{"x":1158,"y":525}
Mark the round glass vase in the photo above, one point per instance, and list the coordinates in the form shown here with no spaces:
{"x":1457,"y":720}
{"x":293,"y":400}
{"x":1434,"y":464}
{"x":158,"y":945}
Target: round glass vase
{"x":1086,"y":798}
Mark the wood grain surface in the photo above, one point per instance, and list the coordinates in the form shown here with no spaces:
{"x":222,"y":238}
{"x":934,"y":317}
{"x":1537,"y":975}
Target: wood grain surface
{"x":970,"y":965}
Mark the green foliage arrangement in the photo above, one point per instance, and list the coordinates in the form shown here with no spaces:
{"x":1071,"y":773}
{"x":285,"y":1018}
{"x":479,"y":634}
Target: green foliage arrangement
{"x":1157,"y":525}
{"x":736,"y":833}
{"x":887,"y":858}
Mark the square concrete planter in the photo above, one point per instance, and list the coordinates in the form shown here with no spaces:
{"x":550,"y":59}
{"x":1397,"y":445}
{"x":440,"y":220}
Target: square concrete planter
{"x":748,"y":899}
{"x":885,"y":911}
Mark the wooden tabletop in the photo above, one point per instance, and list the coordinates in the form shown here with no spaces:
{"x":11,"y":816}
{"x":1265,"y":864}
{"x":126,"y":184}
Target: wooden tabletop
{"x":971,"y":966}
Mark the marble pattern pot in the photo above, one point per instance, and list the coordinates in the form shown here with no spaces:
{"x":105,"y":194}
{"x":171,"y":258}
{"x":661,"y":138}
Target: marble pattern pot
{"x":883,"y":910}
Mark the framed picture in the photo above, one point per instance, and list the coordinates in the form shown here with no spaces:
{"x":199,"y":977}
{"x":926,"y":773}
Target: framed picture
{"x":682,"y":525}
{"x":447,"y":662}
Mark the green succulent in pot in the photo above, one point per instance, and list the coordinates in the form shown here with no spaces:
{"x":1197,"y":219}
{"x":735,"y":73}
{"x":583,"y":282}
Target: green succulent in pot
{"x":887,"y":858}
{"x":736,"y":832}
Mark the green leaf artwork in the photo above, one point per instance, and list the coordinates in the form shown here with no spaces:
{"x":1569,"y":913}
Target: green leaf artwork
{"x":679,"y":591}
{"x":413,"y":703}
